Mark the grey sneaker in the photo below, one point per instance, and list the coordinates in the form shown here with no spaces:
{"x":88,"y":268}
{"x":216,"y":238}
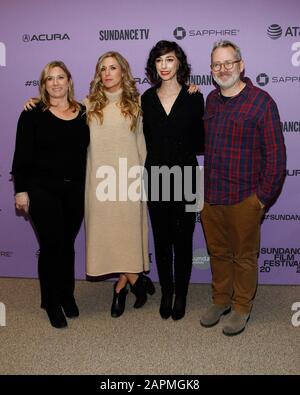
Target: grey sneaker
{"x":213,"y":314}
{"x":235,"y":323}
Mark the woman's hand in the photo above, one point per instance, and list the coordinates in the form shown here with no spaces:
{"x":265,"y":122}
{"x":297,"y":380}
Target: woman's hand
{"x":31,"y":103}
{"x":193,"y":89}
{"x":22,"y":201}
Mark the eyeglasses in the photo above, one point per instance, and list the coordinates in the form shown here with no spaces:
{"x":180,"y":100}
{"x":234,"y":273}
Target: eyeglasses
{"x":228,"y":65}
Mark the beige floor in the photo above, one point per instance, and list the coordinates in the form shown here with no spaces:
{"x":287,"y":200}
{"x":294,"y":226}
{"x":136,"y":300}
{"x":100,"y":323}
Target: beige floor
{"x":140,"y":342}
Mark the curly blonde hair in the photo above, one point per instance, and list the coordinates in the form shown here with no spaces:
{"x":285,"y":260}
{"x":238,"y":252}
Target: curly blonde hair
{"x":44,"y":95}
{"x":129,"y":102}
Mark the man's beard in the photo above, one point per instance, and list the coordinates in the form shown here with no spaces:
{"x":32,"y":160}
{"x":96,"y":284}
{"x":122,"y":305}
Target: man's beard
{"x":234,"y":77}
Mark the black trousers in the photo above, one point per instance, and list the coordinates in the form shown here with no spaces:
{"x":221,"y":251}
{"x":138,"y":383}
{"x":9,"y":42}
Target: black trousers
{"x":173,"y":230}
{"x":57,"y":214}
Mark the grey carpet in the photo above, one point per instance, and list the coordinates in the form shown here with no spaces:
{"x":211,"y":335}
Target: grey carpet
{"x":140,"y":342}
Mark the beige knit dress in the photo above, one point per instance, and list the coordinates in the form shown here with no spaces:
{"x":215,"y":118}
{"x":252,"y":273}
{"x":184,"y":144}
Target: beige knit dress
{"x":116,"y":231}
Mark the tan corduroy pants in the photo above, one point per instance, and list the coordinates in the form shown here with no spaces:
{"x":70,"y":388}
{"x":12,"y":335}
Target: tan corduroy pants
{"x":233,"y":236}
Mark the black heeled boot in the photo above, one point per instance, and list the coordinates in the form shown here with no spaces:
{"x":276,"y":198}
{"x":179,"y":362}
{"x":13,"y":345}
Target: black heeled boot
{"x":166,"y":303}
{"x":118,"y":303}
{"x":56,"y":317}
{"x":179,"y":307}
{"x":140,"y":288}
{"x":70,"y":307}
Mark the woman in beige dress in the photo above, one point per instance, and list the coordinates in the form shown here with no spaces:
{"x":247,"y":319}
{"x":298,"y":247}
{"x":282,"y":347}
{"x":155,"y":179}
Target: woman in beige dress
{"x":115,"y":220}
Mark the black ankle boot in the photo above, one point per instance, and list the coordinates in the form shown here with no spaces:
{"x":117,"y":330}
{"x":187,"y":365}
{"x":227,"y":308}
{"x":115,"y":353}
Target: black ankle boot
{"x":56,"y":317}
{"x":140,"y":288}
{"x":118,"y":303}
{"x":166,"y":302}
{"x":70,"y":307}
{"x":178,"y":311}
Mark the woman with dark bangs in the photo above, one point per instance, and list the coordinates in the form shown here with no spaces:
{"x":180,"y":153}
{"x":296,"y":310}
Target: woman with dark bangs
{"x":173,"y":129}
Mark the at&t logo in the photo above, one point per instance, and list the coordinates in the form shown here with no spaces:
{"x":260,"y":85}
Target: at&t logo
{"x":262,"y":79}
{"x":274,"y":31}
{"x":179,"y":33}
{"x":2,"y":55}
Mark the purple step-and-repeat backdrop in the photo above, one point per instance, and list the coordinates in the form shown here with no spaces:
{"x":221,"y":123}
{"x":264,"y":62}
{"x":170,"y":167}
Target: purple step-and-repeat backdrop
{"x":32,"y":33}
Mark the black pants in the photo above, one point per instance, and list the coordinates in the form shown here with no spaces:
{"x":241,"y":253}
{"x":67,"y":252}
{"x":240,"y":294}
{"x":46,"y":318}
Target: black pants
{"x":173,"y":230}
{"x":57,"y":213}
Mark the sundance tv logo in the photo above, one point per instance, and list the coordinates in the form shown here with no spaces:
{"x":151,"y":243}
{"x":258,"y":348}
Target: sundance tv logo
{"x":180,"y":32}
{"x":2,"y":55}
{"x":45,"y":37}
{"x":124,"y":34}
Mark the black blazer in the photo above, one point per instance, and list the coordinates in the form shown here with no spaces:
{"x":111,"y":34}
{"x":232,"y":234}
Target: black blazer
{"x":177,"y":138}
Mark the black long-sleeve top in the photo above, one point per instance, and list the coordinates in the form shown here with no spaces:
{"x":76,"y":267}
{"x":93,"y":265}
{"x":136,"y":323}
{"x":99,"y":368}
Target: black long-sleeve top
{"x":49,"y":149}
{"x":177,"y":138}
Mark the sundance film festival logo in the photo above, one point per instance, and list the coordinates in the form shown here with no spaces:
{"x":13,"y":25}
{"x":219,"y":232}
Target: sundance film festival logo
{"x":45,"y":37}
{"x":180,"y":33}
{"x":280,"y":257}
{"x":2,"y":55}
{"x":275,"y":31}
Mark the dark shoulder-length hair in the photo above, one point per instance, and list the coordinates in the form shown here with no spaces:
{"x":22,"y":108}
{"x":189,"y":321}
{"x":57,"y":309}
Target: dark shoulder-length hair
{"x":162,"y":48}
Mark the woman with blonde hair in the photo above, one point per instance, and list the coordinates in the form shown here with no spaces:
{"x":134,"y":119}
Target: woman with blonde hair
{"x":116,"y":224}
{"x":49,"y":174}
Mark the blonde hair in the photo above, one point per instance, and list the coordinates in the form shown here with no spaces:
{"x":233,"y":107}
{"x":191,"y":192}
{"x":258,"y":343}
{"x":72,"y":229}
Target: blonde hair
{"x":129,"y":102}
{"x":44,"y":95}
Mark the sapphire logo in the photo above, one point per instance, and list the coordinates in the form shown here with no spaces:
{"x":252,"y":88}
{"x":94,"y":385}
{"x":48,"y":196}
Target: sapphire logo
{"x":2,"y":55}
{"x":274,"y":31}
{"x":262,"y":79}
{"x":179,"y":33}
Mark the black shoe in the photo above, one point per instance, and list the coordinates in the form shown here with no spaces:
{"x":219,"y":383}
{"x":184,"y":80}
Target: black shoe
{"x":56,"y":317}
{"x":140,"y":288}
{"x":165,"y":309}
{"x":178,"y":311}
{"x":118,"y":303}
{"x":70,"y":308}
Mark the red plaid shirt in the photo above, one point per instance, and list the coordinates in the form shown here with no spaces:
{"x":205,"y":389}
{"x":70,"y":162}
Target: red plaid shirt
{"x":244,"y":147}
